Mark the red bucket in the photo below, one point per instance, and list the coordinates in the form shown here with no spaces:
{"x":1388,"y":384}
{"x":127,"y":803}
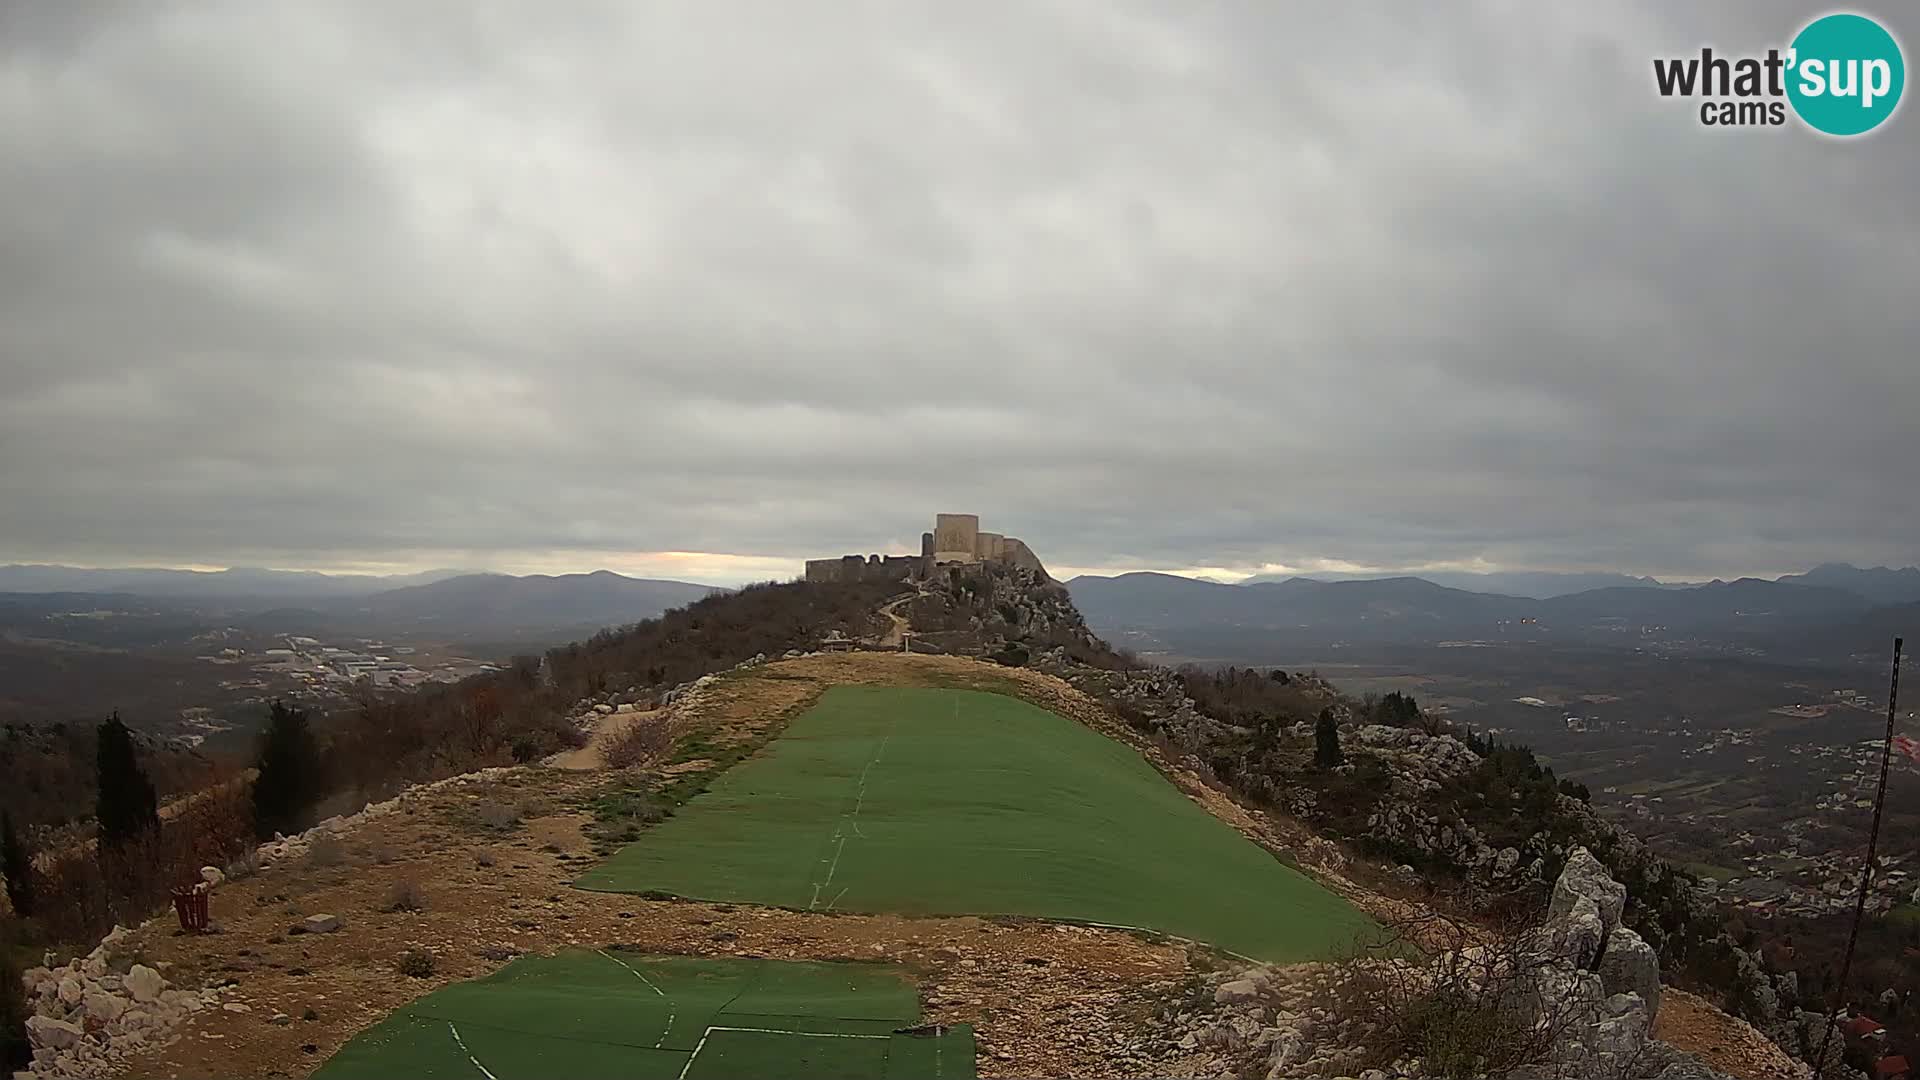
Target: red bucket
{"x":190,"y":903}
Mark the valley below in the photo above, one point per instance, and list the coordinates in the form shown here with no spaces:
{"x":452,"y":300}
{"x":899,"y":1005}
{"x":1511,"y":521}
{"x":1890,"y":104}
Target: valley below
{"x":1755,"y":774}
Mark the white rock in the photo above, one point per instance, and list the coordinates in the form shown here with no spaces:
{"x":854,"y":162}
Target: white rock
{"x":103,"y":1005}
{"x":34,"y":979}
{"x":213,"y":876}
{"x":1579,"y":935}
{"x":71,"y":991}
{"x":51,"y":1034}
{"x":237,"y":1007}
{"x":144,"y":983}
{"x":321,"y":924}
{"x":1630,"y":966}
{"x":1587,"y":876}
{"x":1236,"y":991}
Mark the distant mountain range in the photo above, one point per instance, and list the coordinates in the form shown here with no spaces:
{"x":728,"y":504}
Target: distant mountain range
{"x":1536,"y":584}
{"x":462,"y":606}
{"x":1831,"y":610}
{"x":1877,"y":583}
{"x":236,"y":583}
{"x":482,"y":602}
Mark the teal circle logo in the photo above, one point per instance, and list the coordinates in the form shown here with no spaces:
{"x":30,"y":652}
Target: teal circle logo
{"x":1846,"y":75}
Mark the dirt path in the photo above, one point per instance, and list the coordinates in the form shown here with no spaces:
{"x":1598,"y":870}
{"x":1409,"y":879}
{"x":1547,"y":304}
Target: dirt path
{"x":609,"y":727}
{"x":897,"y":633}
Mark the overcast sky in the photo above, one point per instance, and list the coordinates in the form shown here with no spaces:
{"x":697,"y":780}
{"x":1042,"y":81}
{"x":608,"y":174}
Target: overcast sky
{"x":1162,"y":285}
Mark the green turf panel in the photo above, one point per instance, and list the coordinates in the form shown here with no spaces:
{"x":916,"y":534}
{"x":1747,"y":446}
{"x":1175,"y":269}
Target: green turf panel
{"x":514,"y":1055}
{"x":847,"y":991}
{"x":597,"y":1013}
{"x":802,"y":1022}
{"x":751,"y":1055}
{"x":401,"y":1045}
{"x":949,"y":802}
{"x":409,"y":1045}
{"x":943,"y":1057}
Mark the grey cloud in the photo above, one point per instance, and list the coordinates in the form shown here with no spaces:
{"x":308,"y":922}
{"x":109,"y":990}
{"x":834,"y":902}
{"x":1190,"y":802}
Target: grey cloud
{"x":1149,"y":285}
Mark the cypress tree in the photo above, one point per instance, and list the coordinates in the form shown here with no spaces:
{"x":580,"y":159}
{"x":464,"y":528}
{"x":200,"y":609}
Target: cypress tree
{"x":289,"y":782}
{"x":127,"y":805}
{"x":1326,"y":741}
{"x":15,"y":1051}
{"x":16,"y":862}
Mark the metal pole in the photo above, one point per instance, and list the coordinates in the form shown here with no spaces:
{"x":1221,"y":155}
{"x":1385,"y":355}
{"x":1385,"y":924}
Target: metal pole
{"x":1866,"y":872}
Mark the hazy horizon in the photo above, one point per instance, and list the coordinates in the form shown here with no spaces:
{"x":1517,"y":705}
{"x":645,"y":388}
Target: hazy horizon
{"x":693,"y":571}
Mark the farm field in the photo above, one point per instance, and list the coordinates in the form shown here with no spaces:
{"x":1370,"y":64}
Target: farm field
{"x":960,"y":802}
{"x":619,"y":1014}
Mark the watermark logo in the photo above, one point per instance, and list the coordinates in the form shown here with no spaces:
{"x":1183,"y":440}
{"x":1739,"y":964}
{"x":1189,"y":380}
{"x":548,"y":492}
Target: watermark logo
{"x":1842,"y":75}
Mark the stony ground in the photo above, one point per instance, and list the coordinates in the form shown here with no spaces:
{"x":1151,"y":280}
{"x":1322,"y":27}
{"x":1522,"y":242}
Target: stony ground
{"x":1044,"y":999}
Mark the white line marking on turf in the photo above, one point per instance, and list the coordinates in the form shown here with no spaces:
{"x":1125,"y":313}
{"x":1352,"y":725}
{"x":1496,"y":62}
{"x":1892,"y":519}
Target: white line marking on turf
{"x":701,"y":1045}
{"x":804,"y":1034}
{"x":664,"y":1032}
{"x":848,"y":820}
{"x":463,"y":1049}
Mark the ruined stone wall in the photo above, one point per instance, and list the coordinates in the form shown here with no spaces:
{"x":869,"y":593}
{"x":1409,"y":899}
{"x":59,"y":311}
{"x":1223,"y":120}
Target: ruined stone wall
{"x":1017,"y":553}
{"x":849,"y":568}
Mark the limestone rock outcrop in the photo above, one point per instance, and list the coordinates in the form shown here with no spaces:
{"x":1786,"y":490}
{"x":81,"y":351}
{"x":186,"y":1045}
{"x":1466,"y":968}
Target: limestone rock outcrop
{"x":86,"y":1019}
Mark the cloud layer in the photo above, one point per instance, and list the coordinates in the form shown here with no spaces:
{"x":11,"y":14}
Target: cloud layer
{"x":561,"y":286}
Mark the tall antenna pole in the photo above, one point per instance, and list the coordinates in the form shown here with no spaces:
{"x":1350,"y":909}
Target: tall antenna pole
{"x":1866,"y":872}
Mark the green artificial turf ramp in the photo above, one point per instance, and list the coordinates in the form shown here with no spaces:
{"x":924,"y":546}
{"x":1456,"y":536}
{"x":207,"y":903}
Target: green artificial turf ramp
{"x":958,"y":802}
{"x":612,"y":1013}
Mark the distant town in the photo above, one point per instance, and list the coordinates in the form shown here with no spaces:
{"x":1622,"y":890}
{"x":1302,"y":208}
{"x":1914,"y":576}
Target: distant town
{"x":308,"y":667}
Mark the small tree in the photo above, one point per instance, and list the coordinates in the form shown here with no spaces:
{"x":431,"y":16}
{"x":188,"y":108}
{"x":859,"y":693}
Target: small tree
{"x":1326,"y":741}
{"x":127,"y":805}
{"x":16,"y":862}
{"x":289,"y":782}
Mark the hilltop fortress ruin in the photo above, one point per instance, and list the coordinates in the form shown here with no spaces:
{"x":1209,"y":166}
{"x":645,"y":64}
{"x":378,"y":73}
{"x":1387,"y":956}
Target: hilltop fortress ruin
{"x":955,"y":539}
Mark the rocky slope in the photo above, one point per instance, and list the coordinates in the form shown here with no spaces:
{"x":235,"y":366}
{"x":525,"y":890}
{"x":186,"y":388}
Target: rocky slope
{"x":1583,"y":979}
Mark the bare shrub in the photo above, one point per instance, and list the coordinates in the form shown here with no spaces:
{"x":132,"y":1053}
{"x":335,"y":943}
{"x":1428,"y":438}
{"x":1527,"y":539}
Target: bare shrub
{"x":384,"y":854}
{"x":496,"y":816}
{"x":245,"y":866}
{"x":406,"y":895}
{"x":1466,"y":998}
{"x":482,"y":858}
{"x":643,"y":742}
{"x":415,"y":964}
{"x":326,"y":850}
